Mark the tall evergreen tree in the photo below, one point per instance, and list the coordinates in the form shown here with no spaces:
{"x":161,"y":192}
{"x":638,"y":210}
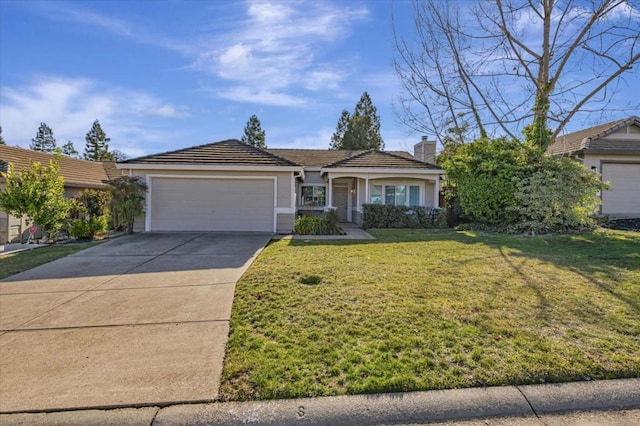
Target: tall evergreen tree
{"x":362,"y":130}
{"x":69,"y":150}
{"x":341,"y":128}
{"x":97,"y":148}
{"x":2,"y":142}
{"x":253,"y":133}
{"x":44,"y":140}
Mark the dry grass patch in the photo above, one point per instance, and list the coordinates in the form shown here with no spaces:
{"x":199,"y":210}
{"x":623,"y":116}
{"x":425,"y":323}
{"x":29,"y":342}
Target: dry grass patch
{"x":419,"y":310}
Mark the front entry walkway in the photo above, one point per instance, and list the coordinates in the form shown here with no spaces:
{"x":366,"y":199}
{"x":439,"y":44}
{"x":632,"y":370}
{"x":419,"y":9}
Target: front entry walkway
{"x":139,"y":320}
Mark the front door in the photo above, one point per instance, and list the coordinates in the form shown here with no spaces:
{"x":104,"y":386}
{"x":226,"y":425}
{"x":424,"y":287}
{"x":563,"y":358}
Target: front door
{"x":341,"y":201}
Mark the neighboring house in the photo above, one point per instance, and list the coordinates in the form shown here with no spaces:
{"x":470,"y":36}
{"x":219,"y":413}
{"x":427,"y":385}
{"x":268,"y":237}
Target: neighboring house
{"x":230,"y":186}
{"x":612,"y":149}
{"x":78,"y":175}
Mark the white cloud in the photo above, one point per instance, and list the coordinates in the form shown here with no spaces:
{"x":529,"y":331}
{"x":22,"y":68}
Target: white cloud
{"x":69,"y":107}
{"x":258,"y":96}
{"x":277,"y":48}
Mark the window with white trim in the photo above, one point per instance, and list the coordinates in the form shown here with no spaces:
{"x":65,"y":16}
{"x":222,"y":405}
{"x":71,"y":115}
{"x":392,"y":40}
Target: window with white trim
{"x":313,"y":195}
{"x":395,"y":195}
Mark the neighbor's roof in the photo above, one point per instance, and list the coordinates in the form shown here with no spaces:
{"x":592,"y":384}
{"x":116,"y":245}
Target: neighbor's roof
{"x":231,"y":152}
{"x":381,"y":159}
{"x":580,"y":140}
{"x":322,"y":157}
{"x":76,"y":173}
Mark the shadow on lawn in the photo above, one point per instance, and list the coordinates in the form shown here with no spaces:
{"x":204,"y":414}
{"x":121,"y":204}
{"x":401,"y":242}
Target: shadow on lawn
{"x":602,"y":258}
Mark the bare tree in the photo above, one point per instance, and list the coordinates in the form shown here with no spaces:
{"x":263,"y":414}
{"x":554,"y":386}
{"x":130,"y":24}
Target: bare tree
{"x":506,"y":66}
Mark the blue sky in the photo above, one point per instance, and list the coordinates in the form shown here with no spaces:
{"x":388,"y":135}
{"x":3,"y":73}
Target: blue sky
{"x":163,"y":75}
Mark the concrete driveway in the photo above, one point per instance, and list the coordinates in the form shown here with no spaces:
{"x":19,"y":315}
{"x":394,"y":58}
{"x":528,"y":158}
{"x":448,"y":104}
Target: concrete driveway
{"x":142,"y":319}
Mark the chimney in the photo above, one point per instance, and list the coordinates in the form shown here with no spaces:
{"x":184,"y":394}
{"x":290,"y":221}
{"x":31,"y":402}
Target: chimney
{"x":425,"y":150}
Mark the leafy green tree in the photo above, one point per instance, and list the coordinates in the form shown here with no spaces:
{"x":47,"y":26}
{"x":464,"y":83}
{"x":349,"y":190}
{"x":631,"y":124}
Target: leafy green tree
{"x":97,"y":147}
{"x":127,"y":198}
{"x":37,"y":193}
{"x":362,"y":130}
{"x":44,"y":140}
{"x":253,"y":133}
{"x":341,"y":128}
{"x":2,"y":142}
{"x":69,"y":150}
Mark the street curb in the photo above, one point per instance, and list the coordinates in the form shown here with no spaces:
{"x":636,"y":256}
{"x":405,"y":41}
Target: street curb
{"x":528,"y":401}
{"x":358,"y":409}
{"x":621,"y":394}
{"x":415,"y":407}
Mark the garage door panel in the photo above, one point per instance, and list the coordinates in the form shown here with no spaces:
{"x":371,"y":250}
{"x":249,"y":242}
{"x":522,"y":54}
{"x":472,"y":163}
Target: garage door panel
{"x":212,"y":204}
{"x":623,"y":198}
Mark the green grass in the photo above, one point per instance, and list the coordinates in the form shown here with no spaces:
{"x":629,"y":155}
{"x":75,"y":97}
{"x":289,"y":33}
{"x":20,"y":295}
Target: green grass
{"x":13,"y":263}
{"x":418,"y":310}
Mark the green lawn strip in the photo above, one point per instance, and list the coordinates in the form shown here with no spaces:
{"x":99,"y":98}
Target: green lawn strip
{"x":13,"y":263}
{"x":418,"y":310}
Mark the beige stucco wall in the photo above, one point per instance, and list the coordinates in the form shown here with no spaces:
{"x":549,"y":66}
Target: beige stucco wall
{"x":284,"y":223}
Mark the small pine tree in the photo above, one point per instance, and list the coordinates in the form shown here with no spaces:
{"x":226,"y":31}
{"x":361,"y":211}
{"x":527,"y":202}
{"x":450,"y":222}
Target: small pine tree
{"x":362,"y":130}
{"x":69,"y":150}
{"x":341,"y":128}
{"x":253,"y":133}
{"x":44,"y":140}
{"x":97,"y":148}
{"x":2,"y":142}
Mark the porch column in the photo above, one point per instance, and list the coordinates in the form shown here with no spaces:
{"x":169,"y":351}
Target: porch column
{"x":329,"y":202}
{"x":436,"y":192}
{"x":366,"y":190}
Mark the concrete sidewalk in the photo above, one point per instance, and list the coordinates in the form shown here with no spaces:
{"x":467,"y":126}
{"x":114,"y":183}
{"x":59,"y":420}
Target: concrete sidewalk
{"x":597,"y":402}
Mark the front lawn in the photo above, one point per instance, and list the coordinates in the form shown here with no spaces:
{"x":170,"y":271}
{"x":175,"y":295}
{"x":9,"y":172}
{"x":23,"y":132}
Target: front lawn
{"x":15,"y":262}
{"x":418,"y":310}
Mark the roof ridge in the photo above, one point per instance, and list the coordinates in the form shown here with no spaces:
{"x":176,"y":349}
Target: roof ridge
{"x":387,"y":153}
{"x":360,"y":154}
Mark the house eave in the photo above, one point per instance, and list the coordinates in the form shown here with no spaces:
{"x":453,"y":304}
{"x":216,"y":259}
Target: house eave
{"x":212,"y":167}
{"x":386,"y":171}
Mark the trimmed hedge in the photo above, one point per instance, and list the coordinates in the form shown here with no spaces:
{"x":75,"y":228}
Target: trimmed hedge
{"x":382,"y":216}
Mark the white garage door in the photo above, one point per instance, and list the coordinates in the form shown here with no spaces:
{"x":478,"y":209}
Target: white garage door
{"x":179,"y":204}
{"x":623,"y":198}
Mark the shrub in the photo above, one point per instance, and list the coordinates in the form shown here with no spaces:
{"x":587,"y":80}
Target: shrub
{"x":80,"y":229}
{"x":384,"y":216}
{"x":559,"y":195}
{"x":313,"y":225}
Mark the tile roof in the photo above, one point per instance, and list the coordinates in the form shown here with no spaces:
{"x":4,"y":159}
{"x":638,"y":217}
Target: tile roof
{"x":231,"y":152}
{"x":322,"y":157}
{"x":76,"y":173}
{"x":577,"y":141}
{"x":112,"y":171}
{"x":383,"y":160}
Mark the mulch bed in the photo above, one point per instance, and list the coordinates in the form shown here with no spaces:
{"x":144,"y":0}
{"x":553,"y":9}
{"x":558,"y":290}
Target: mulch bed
{"x":624,"y":224}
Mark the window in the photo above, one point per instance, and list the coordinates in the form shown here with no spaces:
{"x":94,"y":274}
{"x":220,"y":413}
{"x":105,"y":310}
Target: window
{"x":313,"y":195}
{"x":395,"y":195}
